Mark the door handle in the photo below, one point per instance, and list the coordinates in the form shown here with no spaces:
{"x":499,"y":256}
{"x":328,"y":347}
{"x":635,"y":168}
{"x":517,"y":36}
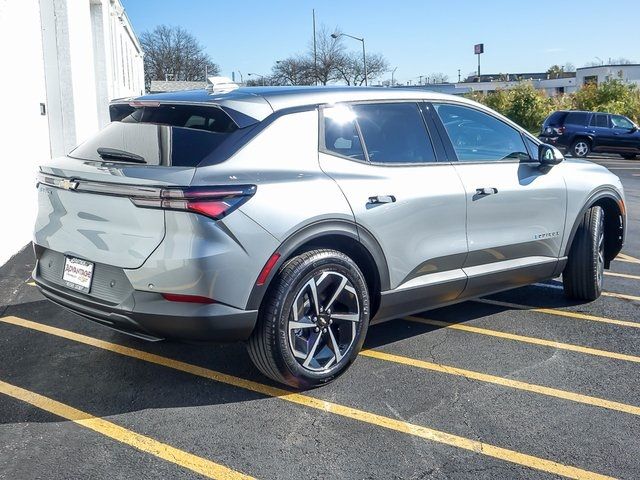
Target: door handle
{"x":486,"y":191}
{"x":382,"y":199}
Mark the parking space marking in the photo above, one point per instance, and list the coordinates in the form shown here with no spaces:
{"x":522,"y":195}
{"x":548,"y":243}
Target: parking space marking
{"x":120,"y":434}
{"x":624,"y":296}
{"x":419,"y":431}
{"x":558,"y":312}
{"x":623,"y":257}
{"x":623,"y":275}
{"x":31,"y":284}
{"x":522,"y":338}
{"x":505,"y":382}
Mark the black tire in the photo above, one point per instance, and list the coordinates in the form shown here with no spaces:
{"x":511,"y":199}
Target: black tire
{"x":629,"y":156}
{"x":583,"y":275}
{"x":580,"y":148}
{"x":271,"y":343}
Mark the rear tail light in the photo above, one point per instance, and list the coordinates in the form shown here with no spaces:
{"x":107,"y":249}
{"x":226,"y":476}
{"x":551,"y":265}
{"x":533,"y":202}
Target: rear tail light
{"x":213,"y":202}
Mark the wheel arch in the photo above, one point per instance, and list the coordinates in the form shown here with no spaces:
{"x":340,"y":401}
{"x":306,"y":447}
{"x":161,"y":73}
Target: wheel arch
{"x":341,"y":235}
{"x":581,"y":136}
{"x":614,"y":221}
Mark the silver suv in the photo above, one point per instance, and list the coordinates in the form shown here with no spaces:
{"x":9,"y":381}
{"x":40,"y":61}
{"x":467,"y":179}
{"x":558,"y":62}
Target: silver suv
{"x":293,"y":218}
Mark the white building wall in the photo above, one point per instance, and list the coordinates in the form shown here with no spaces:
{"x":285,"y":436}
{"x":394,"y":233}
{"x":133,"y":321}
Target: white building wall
{"x":24,"y":132}
{"x":626,"y":73}
{"x":551,"y":87}
{"x":67,"y":55}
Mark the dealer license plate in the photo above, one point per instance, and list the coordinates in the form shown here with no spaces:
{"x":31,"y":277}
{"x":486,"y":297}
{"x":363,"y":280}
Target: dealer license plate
{"x":77,"y":274}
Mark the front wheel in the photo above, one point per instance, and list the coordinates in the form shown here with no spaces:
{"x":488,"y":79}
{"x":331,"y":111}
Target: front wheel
{"x":583,"y":275}
{"x":580,"y":148}
{"x":313,"y":321}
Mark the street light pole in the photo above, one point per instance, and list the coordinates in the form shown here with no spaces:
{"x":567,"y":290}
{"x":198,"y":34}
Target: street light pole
{"x":262,"y":77}
{"x":392,"y":74}
{"x":364,"y":51}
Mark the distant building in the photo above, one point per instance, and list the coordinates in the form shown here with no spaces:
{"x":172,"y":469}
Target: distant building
{"x":566,"y":83}
{"x":63,"y":61}
{"x":627,"y":73}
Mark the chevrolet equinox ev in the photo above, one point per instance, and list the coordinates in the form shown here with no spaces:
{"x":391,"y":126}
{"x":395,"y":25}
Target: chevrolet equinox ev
{"x":292,"y":218}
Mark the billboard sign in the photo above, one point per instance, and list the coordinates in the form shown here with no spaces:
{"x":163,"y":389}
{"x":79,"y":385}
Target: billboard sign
{"x":478,"y":48}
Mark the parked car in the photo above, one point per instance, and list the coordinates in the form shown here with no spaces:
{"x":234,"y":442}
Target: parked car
{"x":579,"y":133}
{"x":293,"y":218}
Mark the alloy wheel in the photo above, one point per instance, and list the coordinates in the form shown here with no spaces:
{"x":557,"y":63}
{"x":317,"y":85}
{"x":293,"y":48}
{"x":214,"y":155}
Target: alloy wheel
{"x":600,"y":264}
{"x":322,"y":324}
{"x":581,"y":149}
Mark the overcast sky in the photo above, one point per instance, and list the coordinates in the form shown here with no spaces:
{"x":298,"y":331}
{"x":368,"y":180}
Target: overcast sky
{"x":418,"y":37}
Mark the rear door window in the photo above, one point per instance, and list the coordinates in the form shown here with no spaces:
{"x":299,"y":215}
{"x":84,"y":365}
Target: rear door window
{"x":600,"y":120}
{"x":166,"y":135}
{"x":394,"y":133}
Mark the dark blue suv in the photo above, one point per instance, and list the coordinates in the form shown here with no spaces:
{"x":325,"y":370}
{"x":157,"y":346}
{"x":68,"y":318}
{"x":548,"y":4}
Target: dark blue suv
{"x":580,"y":133}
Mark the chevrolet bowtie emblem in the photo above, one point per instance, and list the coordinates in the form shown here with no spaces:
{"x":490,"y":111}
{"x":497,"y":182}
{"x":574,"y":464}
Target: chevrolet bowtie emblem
{"x":67,"y":184}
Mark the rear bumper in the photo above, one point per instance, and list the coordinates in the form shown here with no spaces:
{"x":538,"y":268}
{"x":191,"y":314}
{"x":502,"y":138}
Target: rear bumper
{"x":558,"y":142}
{"x":148,"y":316}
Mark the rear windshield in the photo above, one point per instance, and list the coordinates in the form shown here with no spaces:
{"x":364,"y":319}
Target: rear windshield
{"x":168,"y":135}
{"x":555,"y":118}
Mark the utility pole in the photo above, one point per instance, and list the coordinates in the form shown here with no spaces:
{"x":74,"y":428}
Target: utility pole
{"x":315,"y":52}
{"x":458,"y":75}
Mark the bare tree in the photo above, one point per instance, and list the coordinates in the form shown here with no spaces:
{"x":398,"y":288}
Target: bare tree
{"x":350,"y":67}
{"x":330,"y":52}
{"x":438,"y":77}
{"x":295,"y":70}
{"x":172,"y":53}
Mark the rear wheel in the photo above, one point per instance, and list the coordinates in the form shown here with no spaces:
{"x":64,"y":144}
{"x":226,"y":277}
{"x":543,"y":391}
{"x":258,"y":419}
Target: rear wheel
{"x":583,"y":275}
{"x":581,"y":148}
{"x":629,"y":156}
{"x":313,"y":321}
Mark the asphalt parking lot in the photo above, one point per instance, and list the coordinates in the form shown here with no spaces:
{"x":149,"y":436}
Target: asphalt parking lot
{"x":520,"y":385}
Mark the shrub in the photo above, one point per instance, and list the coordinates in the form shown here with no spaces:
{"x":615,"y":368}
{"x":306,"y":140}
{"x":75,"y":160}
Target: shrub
{"x":529,"y":107}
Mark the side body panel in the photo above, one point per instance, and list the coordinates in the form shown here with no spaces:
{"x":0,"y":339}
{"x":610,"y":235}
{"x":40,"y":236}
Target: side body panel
{"x":422,"y":232}
{"x":514,"y":234}
{"x":292,"y":189}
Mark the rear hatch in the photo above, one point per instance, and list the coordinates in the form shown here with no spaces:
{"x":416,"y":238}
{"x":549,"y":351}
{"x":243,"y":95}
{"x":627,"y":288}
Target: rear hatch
{"x":100,"y":203}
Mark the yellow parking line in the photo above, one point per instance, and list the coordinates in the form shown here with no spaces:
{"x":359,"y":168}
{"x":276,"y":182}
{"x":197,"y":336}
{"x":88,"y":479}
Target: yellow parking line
{"x":623,"y":275}
{"x":140,"y":442}
{"x":635,"y":298}
{"x":325,"y":406}
{"x":560,"y":313}
{"x":627,"y":258}
{"x":31,"y":284}
{"x":505,"y":382}
{"x":521,"y":338}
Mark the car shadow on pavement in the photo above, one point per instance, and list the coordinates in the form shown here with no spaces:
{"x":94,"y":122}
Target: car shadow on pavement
{"x":105,"y":383}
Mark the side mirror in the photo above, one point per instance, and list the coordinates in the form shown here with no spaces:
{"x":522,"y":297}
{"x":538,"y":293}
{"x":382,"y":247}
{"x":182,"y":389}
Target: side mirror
{"x":633,"y":129}
{"x":549,"y":155}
